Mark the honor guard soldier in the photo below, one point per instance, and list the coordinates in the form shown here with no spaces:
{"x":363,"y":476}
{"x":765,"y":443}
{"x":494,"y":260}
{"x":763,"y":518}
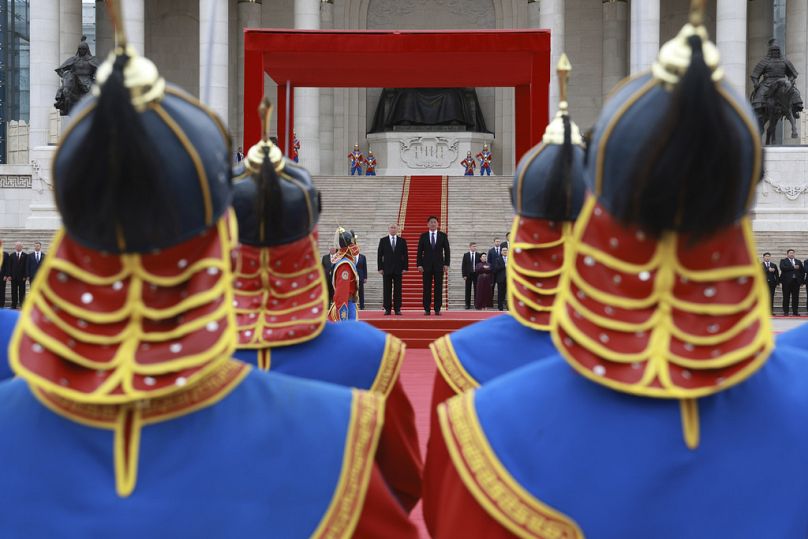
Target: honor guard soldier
{"x":128,"y":417}
{"x":295,"y":148}
{"x":281,"y":299}
{"x":356,"y":159}
{"x":370,"y":164}
{"x":344,"y":277}
{"x":668,"y":409}
{"x":548,"y":192}
{"x":485,"y":158}
{"x":469,"y":164}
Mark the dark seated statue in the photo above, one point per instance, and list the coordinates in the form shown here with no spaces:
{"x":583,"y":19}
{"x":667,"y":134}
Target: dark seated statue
{"x":409,"y":109}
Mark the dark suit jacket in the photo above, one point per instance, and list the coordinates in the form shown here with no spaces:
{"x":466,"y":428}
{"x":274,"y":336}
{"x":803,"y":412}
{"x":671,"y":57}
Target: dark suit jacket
{"x":33,"y":265}
{"x":362,"y":267}
{"x":389,"y":262}
{"x":326,"y":261}
{"x":17,"y":266}
{"x":771,"y":277}
{"x":504,"y":244}
{"x":788,"y":273}
{"x":466,"y":267}
{"x":492,"y":255}
{"x":498,"y":268}
{"x":4,"y":266}
{"x":433,"y":259}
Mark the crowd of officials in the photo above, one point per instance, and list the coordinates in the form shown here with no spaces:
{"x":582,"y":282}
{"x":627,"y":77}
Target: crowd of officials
{"x":484,"y":272}
{"x":17,"y":269}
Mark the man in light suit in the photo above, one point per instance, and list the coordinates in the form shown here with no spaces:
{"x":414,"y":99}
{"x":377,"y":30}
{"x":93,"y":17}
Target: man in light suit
{"x":772,"y":274}
{"x":362,"y":272}
{"x":791,"y":277}
{"x":392,"y":263}
{"x":469,"y":270}
{"x":432,"y":259}
{"x":35,"y":260}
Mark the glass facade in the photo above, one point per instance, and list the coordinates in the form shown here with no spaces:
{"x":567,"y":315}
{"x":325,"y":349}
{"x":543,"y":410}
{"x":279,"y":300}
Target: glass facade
{"x":15,"y":61}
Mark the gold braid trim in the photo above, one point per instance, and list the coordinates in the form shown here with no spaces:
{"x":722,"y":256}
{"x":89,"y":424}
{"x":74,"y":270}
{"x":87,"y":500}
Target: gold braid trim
{"x":392,"y":360}
{"x":491,"y":485}
{"x":450,"y":367}
{"x":345,"y":509}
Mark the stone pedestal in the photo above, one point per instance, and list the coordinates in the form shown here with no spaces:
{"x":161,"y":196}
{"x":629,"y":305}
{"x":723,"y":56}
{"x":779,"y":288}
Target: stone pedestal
{"x":424,"y":153}
{"x":782,"y":197}
{"x":42,"y":208}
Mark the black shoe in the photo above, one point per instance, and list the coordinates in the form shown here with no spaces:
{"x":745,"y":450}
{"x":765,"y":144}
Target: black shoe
{"x":467,"y":307}
{"x":426,"y":313}
{"x":437,"y":313}
{"x":386,"y":313}
{"x":398,"y":313}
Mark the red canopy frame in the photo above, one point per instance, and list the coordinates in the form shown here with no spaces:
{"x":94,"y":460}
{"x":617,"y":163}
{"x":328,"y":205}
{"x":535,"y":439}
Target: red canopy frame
{"x":400,"y":59}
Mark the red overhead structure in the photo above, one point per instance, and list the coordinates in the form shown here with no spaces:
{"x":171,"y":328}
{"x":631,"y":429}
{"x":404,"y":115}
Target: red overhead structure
{"x":400,"y":59}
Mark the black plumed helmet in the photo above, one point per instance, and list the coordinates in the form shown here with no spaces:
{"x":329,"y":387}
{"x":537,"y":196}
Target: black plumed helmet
{"x":143,"y":166}
{"x":275,"y":200}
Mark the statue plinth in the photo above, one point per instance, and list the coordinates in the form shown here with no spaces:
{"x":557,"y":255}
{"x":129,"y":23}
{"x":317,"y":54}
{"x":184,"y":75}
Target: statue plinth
{"x":425,"y":152}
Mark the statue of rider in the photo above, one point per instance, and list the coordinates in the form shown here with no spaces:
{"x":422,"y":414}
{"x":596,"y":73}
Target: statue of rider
{"x":773,"y":67}
{"x":78,"y":76}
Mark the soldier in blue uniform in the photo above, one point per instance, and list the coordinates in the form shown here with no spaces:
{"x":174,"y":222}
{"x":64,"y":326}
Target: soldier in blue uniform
{"x":128,"y":417}
{"x":281,"y":301}
{"x":668,"y":412}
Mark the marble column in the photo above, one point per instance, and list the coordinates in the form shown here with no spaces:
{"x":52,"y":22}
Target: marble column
{"x":551,"y":16}
{"x":644,"y":43}
{"x":213,"y":56}
{"x":327,"y":149}
{"x":307,"y":100}
{"x":730,"y":37}
{"x":249,"y":16}
{"x":615,"y":44}
{"x":44,"y":33}
{"x":534,"y":15}
{"x":134,"y":20}
{"x":758,"y":32}
{"x":795,"y":50}
{"x":69,"y":27}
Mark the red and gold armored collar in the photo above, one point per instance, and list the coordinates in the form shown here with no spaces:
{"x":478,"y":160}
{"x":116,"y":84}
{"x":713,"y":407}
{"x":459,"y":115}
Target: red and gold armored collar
{"x":111,"y":329}
{"x":281,"y":295}
{"x":535,"y":265}
{"x":664,"y":318}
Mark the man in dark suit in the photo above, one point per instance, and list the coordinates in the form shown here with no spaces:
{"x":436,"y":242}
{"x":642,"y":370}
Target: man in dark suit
{"x":432,"y":259}
{"x":469,"y":270}
{"x":362,"y":272}
{"x":327,"y":266}
{"x":500,"y":273}
{"x":3,"y":275}
{"x":493,"y":256}
{"x":17,"y":274}
{"x":35,"y":260}
{"x":772,"y":274}
{"x":392,"y":263}
{"x":791,"y":277}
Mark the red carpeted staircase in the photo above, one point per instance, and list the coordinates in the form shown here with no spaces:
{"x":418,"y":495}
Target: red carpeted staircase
{"x":418,"y":330}
{"x":421,"y":197}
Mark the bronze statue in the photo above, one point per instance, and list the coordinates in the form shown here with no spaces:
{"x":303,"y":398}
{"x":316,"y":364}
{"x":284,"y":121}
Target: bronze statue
{"x":775,"y":95}
{"x":78,"y":76}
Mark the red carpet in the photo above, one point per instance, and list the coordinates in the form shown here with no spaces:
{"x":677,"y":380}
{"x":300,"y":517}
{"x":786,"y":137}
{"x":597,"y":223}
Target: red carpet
{"x":421,"y":197}
{"x":417,"y":375}
{"x":418,"y":330}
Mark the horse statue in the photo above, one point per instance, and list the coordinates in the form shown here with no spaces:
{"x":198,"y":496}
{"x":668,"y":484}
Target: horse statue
{"x":78,"y":75}
{"x":779,"y":104}
{"x":775,"y":95}
{"x":68,"y":94}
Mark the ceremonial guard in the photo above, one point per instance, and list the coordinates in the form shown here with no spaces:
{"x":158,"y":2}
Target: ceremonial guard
{"x":356,"y":159}
{"x":469,"y":164}
{"x":668,"y":411}
{"x":485,"y":158}
{"x":295,"y":148}
{"x":281,"y":300}
{"x":344,"y":277}
{"x":547,"y":195}
{"x":128,"y":417}
{"x":370,"y":164}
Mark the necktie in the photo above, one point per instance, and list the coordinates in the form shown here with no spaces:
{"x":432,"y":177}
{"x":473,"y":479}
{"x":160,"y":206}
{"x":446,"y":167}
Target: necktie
{"x":433,"y":240}
{"x":472,"y":260}
{"x":394,"y":243}
{"x":37,"y":258}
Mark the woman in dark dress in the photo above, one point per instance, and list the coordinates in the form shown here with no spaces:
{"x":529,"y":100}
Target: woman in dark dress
{"x":484,"y":296}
